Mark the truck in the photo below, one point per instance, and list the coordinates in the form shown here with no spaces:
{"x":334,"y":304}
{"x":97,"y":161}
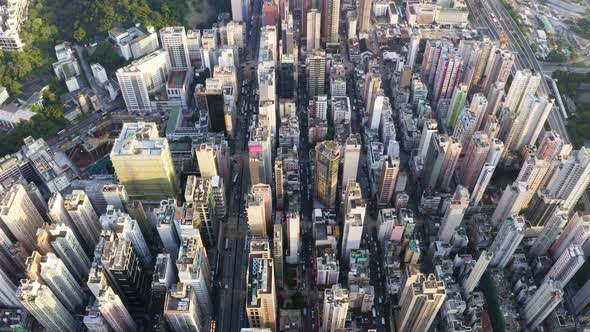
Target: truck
{"x":374,"y":314}
{"x":305,"y":312}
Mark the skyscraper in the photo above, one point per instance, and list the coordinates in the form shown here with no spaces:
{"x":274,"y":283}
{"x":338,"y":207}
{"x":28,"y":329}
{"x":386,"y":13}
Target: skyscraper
{"x":182,"y":311}
{"x":549,"y":234}
{"x":528,"y":122}
{"x":477,"y":271}
{"x":114,"y":311}
{"x":364,"y":17}
{"x":199,"y":194}
{"x":510,"y":203}
{"x":413,"y":48}
{"x":475,"y":157}
{"x":331,"y":21}
{"x":571,"y":179}
{"x":314,"y":24}
{"x":293,"y":223}
{"x":143,"y":163}
{"x":352,"y":151}
{"x":448,"y":73}
{"x":429,"y":128}
{"x":261,"y":300}
{"x":487,"y":171}
{"x":576,"y":231}
{"x":542,"y":303}
{"x":277,"y":253}
{"x":326,"y":172}
{"x":499,"y":68}
{"x":128,"y":229}
{"x":421,"y":299}
{"x":256,"y":212}
{"x":507,"y":240}
{"x":260,"y":153}
{"x":84,"y":217}
{"x":454,"y":213}
{"x":40,"y":302}
{"x":207,"y":160}
{"x":68,"y":248}
{"x":523,"y":84}
{"x":175,"y":43}
{"x":532,"y":174}
{"x":335,"y":308}
{"x":353,"y":210}
{"x":386,"y":188}
{"x":20,"y":216}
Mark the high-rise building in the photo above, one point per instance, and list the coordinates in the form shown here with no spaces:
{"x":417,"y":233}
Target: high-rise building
{"x":499,"y":68}
{"x":260,"y":153}
{"x":477,"y":271}
{"x":352,"y":151}
{"x":277,"y":253}
{"x":487,"y":171}
{"x":542,"y":208}
{"x":128,"y":229}
{"x":328,"y":270}
{"x":326,"y":172}
{"x":429,"y":128}
{"x":115,"y":195}
{"x":488,"y":47}
{"x":576,"y":231}
{"x":572,"y":178}
{"x":456,"y":105}
{"x":582,"y":299}
{"x":449,"y":164}
{"x":287,"y":77}
{"x":551,"y":146}
{"x":143,"y":163}
{"x":84,"y":217}
{"x":207,"y":160}
{"x":353,"y":210}
{"x":523,"y":84}
{"x":528,"y":122}
{"x":8,"y":289}
{"x":511,"y":202}
{"x":293,"y":223}
{"x":316,"y":73}
{"x":413,"y":48}
{"x":265,"y":192}
{"x":335,"y":308}
{"x":421,"y":299}
{"x":564,"y":268}
{"x":495,"y":97}
{"x":20,"y":216}
{"x":532,"y":174}
{"x":142,"y":77}
{"x":448,"y":74}
{"x":199,"y":194}
{"x":549,"y":234}
{"x":386,"y":188}
{"x":454,"y":213}
{"x":182,"y":311}
{"x":330,"y":21}
{"x":279,"y":184}
{"x":256,"y":213}
{"x":542,"y":303}
{"x":475,"y":158}
{"x":507,"y":241}
{"x":261,"y":300}
{"x":67,"y":247}
{"x":175,"y":43}
{"x":57,"y":212}
{"x":194,"y":271}
{"x":314,"y":24}
{"x":114,"y":311}
{"x":40,"y":302}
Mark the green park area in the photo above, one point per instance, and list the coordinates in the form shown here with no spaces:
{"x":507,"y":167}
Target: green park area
{"x":575,"y":91}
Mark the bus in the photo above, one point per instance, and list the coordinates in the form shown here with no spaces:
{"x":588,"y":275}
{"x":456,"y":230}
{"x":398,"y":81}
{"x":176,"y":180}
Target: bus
{"x":235,"y":178}
{"x":61,"y":132}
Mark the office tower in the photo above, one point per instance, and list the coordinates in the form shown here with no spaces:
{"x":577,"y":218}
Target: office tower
{"x":194,"y":271}
{"x":211,"y":100}
{"x":364,"y":17}
{"x":114,"y":311}
{"x":279,"y":184}
{"x":326,"y":172}
{"x":287,"y":77}
{"x":487,"y":171}
{"x":199,"y":194}
{"x":124,"y":271}
{"x":255,"y":210}
{"x":128,"y":229}
{"x":448,"y":74}
{"x":182,"y":311}
{"x":572,"y":178}
{"x":84,"y":217}
{"x":261,"y":299}
{"x":429,"y":128}
{"x":142,"y":77}
{"x":421,"y":299}
{"x":511,"y":202}
{"x":314,"y":23}
{"x":328,"y":270}
{"x":477,"y":271}
{"x":166,"y":226}
{"x":40,"y":302}
{"x":456,"y":105}
{"x":277,"y":253}
{"x":264,"y":191}
{"x":207,"y":160}
{"x":175,"y":43}
{"x":293,"y":223}
{"x":352,"y":152}
{"x":450,"y":161}
{"x":67,"y":247}
{"x":551,"y":146}
{"x":335,"y":308}
{"x":507,"y":240}
{"x":528,"y":123}
{"x":499,"y":68}
{"x":532,"y":174}
{"x":542,"y":303}
{"x":330,"y":21}
{"x":143,"y":163}
{"x":316,"y":73}
{"x":548,"y":235}
{"x":51,"y":271}
{"x":454,"y":214}
{"x":386,"y":188}
{"x":354,"y":209}
{"x":193,"y":43}
{"x":475,"y":157}
{"x":576,"y":231}
{"x":56,"y":211}
{"x":372,"y":86}
{"x":523,"y":84}
{"x":260,"y":153}
{"x":413,"y":48}
{"x":8,"y":289}
{"x":163,"y":278}
{"x":19,"y":215}
{"x":377,"y":106}
{"x":566,"y":266}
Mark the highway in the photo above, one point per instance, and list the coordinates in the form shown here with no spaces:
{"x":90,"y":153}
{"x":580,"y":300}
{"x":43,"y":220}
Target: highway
{"x":504,"y":25}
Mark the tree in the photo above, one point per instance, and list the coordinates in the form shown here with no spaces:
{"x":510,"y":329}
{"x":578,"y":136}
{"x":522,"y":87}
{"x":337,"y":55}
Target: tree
{"x":107,"y":56}
{"x":79,"y":34}
{"x":556,"y":56}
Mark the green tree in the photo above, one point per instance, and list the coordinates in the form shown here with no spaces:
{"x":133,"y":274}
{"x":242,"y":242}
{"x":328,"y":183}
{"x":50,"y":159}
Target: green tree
{"x":79,"y":34}
{"x":107,"y":56}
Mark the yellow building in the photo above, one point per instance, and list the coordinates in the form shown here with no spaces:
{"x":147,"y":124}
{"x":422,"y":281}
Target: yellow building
{"x":326,"y":172}
{"x":143,"y":163}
